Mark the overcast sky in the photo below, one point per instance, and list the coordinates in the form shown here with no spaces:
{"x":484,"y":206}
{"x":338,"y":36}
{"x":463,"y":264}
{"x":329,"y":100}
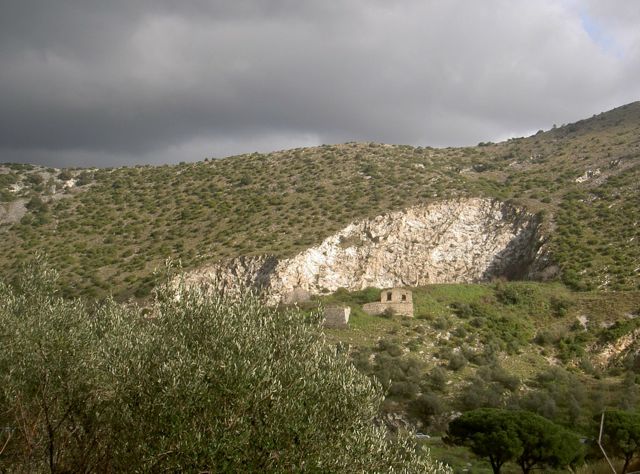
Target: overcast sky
{"x":106,"y":83}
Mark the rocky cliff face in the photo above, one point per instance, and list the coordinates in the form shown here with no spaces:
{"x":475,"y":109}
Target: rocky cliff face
{"x":465,"y":240}
{"x":625,"y":348}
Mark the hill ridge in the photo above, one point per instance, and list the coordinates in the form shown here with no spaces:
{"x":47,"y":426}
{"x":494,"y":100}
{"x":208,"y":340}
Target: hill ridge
{"x":111,"y":228}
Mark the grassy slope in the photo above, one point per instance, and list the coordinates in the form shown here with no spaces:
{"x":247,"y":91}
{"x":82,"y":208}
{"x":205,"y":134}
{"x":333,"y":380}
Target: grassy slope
{"x":518,"y":344}
{"x":109,"y":235}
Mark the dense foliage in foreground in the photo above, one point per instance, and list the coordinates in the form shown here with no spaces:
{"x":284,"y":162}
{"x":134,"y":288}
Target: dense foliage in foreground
{"x":196,"y":384}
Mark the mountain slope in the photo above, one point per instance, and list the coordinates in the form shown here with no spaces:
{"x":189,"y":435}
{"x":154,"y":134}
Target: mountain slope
{"x":106,"y":230}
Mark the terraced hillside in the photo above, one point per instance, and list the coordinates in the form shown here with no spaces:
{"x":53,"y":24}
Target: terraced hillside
{"x":106,"y":230}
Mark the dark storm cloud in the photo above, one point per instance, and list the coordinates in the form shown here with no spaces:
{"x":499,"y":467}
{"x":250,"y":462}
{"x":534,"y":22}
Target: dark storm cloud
{"x":107,"y":83}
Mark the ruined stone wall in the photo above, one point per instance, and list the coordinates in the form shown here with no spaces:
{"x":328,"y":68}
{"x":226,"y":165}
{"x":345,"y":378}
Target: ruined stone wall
{"x":337,"y":317}
{"x":395,"y":295}
{"x":377,"y":308}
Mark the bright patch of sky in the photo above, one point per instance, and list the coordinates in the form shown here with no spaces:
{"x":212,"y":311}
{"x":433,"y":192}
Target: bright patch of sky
{"x":599,"y":35}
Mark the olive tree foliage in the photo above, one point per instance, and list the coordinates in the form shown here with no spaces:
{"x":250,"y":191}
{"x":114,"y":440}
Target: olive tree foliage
{"x":621,"y":435}
{"x":523,"y":437}
{"x":197,"y":384}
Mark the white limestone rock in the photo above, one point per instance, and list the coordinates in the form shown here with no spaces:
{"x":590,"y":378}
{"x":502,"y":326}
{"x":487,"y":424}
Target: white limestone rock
{"x":454,"y":241}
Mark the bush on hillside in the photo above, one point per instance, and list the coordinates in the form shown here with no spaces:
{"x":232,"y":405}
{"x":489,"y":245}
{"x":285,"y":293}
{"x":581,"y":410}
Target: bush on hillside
{"x":513,"y":293}
{"x":426,"y":406}
{"x":438,"y":378}
{"x":198,"y":384}
{"x":457,"y":362}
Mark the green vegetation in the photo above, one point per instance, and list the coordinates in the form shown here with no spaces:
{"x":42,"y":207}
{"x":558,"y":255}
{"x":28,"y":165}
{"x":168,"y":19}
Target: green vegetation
{"x":563,"y":360}
{"x":192,"y":384}
{"x":564,"y":350}
{"x":488,"y":434}
{"x":529,"y":440}
{"x":622,"y":435}
{"x":107,"y":234}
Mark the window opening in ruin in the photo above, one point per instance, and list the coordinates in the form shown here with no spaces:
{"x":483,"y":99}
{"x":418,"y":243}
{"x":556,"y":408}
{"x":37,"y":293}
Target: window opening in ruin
{"x":404,"y":297}
{"x":389,"y":296}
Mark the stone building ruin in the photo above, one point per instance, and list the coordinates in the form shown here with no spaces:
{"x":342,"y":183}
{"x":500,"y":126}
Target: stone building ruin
{"x":297,"y":295}
{"x":337,"y":317}
{"x":397,"y":300}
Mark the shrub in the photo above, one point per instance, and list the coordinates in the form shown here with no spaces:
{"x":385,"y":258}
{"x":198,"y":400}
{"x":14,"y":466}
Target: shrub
{"x":35,"y":179}
{"x":619,"y":329}
{"x":546,"y":337}
{"x":403,"y":389}
{"x":390,"y":347}
{"x":513,"y":293}
{"x":480,"y":394}
{"x":85,"y":178}
{"x":426,"y":406}
{"x":388,"y":313}
{"x":559,"y":306}
{"x":200,"y":384}
{"x":496,"y":373}
{"x":438,"y":378}
{"x":65,"y":175}
{"x":441,"y":323}
{"x":36,"y":204}
{"x":457,"y":362}
{"x":460,"y":332}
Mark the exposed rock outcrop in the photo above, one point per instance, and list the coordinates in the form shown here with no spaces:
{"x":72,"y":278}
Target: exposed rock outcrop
{"x":13,"y":211}
{"x":626,"y":347}
{"x":465,"y":240}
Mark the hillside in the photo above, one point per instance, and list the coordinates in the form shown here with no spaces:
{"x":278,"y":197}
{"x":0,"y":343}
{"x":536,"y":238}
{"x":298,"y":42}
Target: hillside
{"x":523,"y":257}
{"x":540,"y":347}
{"x":106,"y":230}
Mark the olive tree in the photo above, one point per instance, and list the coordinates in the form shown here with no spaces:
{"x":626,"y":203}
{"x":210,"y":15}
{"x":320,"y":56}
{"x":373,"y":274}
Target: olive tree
{"x":216,"y":383}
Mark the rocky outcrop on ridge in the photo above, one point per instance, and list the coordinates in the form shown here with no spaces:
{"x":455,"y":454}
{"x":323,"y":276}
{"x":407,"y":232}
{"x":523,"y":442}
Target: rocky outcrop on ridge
{"x":456,"y":241}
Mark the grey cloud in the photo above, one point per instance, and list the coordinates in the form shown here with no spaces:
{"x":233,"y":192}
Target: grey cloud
{"x":105,"y":83}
